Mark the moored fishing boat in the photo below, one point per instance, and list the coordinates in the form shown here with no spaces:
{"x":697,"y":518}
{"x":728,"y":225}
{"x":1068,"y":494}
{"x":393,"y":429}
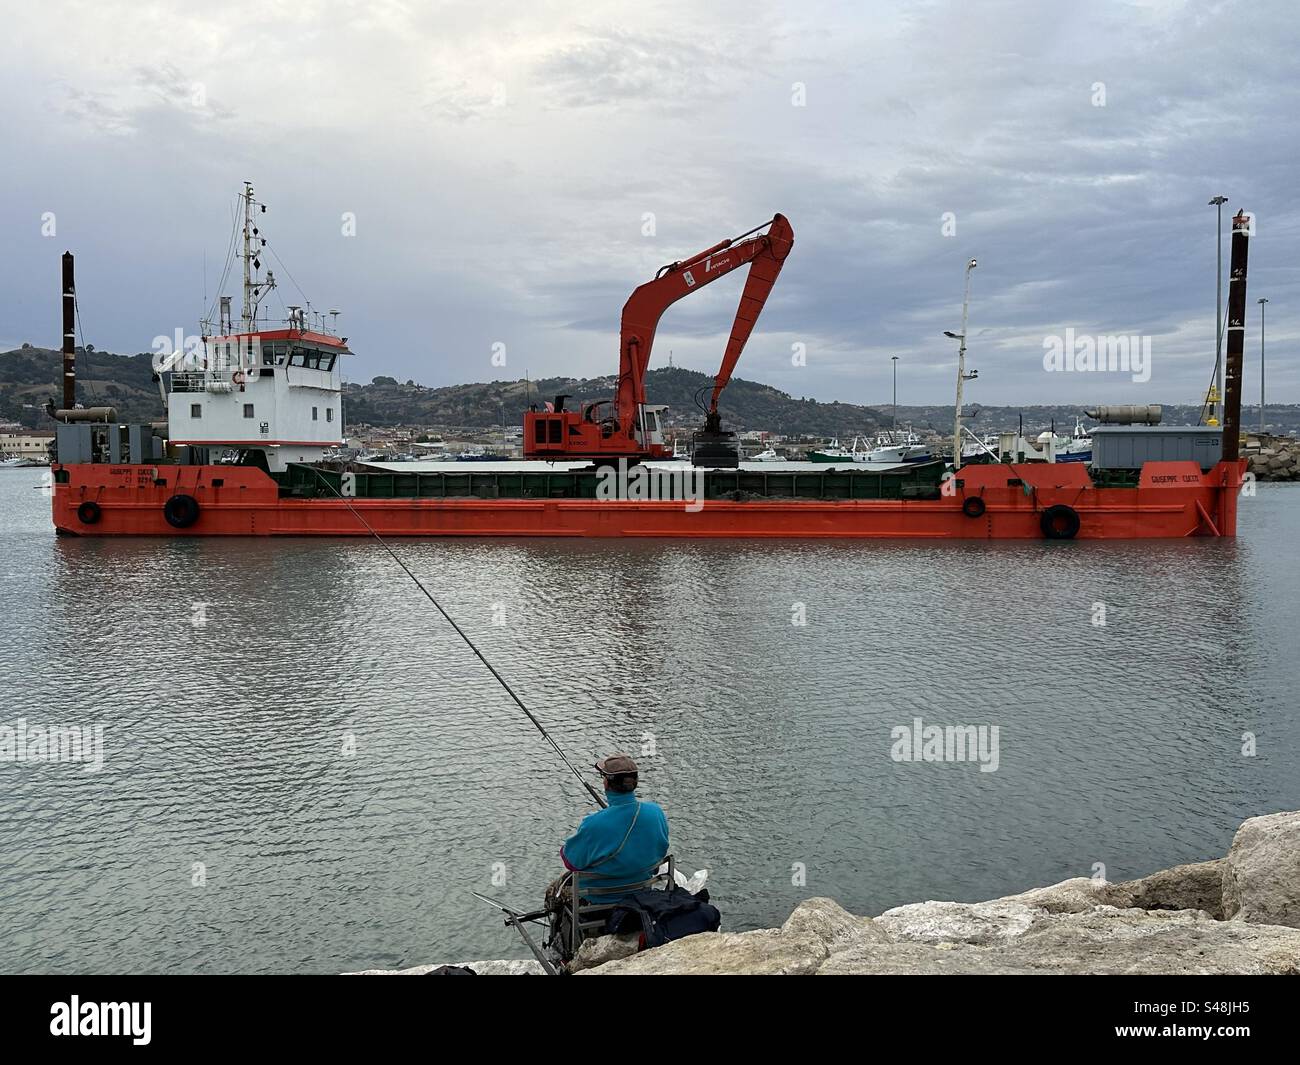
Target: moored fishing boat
{"x":857,"y":451}
{"x":890,"y":447}
{"x":1077,"y":447}
{"x":899,"y":446}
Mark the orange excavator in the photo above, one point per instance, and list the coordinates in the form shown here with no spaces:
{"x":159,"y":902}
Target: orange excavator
{"x":626,"y":426}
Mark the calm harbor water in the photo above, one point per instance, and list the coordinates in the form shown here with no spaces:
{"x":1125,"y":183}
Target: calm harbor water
{"x":305,"y":770}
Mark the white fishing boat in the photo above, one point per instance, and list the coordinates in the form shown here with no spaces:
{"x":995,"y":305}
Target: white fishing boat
{"x":1048,"y":446}
{"x":980,"y":449}
{"x":899,"y":446}
{"x":857,"y":451}
{"x":769,"y":455}
{"x":1077,"y":447}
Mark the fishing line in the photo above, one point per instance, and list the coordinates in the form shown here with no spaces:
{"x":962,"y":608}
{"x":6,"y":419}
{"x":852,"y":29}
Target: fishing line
{"x":596,"y":796}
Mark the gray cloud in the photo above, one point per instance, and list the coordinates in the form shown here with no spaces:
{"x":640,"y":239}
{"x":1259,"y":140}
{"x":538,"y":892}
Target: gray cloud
{"x":502,"y":164}
{"x":639,"y":70}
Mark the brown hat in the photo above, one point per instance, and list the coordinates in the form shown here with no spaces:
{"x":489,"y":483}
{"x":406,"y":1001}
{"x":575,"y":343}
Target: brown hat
{"x":616,"y":765}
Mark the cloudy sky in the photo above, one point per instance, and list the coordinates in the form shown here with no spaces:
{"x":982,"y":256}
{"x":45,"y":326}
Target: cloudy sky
{"x":505,"y":162}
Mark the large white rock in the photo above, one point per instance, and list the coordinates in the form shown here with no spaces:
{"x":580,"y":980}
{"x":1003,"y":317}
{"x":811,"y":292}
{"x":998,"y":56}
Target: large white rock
{"x":1195,"y":886}
{"x":817,"y":929}
{"x":601,"y":949}
{"x":1104,"y":941}
{"x":765,"y":952}
{"x":1077,"y":895}
{"x":1261,"y":874}
{"x":520,"y":967}
{"x":958,"y":922}
{"x":827,"y":920}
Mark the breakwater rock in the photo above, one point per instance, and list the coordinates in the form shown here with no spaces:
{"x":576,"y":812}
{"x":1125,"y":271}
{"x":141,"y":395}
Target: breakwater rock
{"x":1238,"y":915}
{"x":1280,"y":462}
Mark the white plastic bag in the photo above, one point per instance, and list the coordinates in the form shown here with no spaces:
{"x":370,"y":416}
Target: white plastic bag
{"x":691,"y":886}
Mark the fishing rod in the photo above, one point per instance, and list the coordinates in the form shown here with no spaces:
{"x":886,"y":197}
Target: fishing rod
{"x":595,"y":795}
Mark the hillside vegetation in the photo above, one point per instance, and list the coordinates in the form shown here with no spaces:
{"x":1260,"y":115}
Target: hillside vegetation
{"x":29,"y":378}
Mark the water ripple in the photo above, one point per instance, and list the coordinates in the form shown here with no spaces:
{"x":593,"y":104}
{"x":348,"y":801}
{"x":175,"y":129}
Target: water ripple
{"x":309,"y":772}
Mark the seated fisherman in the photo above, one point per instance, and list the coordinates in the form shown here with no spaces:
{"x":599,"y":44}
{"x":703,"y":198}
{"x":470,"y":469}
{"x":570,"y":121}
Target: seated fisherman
{"x":622,"y":844}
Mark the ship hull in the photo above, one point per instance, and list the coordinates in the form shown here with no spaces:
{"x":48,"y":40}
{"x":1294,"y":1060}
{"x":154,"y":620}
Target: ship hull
{"x":1171,"y":500}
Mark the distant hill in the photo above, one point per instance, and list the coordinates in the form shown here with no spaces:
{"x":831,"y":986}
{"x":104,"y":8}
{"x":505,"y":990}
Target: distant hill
{"x":745,"y":404}
{"x":29,"y":378}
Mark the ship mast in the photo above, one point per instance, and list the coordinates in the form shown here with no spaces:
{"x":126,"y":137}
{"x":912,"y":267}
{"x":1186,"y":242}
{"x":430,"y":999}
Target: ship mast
{"x":253,"y":243}
{"x":247,"y":313}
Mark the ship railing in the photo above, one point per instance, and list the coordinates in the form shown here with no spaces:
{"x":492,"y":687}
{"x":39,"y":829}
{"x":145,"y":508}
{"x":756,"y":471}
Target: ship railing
{"x":189,"y":382}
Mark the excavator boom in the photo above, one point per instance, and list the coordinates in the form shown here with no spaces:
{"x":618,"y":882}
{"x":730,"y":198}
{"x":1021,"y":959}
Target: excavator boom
{"x":758,"y":285}
{"x":765,"y":254}
{"x":628,"y":430}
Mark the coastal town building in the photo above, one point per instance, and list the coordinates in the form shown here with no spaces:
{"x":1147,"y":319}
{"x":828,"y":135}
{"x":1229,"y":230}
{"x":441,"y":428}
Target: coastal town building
{"x":25,"y":445}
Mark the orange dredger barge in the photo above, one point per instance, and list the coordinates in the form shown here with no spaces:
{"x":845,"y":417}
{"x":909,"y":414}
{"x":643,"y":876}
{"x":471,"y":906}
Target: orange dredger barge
{"x":1169,"y":499}
{"x":272,"y":399}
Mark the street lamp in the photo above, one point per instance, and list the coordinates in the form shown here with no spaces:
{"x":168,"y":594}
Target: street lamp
{"x":962,"y":376}
{"x":894,"y":360}
{"x":1261,"y":301}
{"x":1218,"y":202}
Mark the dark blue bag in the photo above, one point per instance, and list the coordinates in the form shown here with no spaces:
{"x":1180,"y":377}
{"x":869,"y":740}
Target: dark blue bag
{"x":662,"y":916}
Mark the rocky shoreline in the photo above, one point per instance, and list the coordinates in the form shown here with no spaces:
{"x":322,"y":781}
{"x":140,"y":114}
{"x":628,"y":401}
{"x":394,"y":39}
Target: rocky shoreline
{"x":1236,"y":915}
{"x":1277,"y":462}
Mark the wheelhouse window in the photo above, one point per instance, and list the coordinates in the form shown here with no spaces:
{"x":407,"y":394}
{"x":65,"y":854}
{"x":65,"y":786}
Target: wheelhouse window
{"x":312,"y":359}
{"x":248,"y":410}
{"x":196,"y":410}
{"x":329,"y":414}
{"x":315,"y":414}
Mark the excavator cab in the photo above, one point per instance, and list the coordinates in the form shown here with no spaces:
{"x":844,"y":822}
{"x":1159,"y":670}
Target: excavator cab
{"x":650,"y":428}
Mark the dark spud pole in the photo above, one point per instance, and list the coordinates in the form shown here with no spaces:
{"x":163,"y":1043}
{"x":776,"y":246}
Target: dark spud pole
{"x":69,"y":334}
{"x":1236,"y":337}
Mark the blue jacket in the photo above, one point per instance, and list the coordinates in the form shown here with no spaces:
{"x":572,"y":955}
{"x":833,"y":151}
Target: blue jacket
{"x":601,"y":832}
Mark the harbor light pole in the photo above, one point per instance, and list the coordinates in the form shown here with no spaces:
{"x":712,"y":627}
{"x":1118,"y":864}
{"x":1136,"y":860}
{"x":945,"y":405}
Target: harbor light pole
{"x":962,"y":376}
{"x":1261,"y":301}
{"x":1217,"y":202}
{"x":894,"y":360}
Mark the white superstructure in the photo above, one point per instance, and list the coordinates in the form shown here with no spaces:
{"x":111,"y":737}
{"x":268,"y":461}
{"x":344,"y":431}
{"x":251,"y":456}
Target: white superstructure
{"x":272,"y":391}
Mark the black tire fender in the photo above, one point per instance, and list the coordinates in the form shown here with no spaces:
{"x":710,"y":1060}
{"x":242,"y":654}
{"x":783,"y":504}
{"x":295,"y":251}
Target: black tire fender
{"x":88,"y":513}
{"x":1060,"y":522}
{"x":181,"y":511}
{"x":973,"y":507}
